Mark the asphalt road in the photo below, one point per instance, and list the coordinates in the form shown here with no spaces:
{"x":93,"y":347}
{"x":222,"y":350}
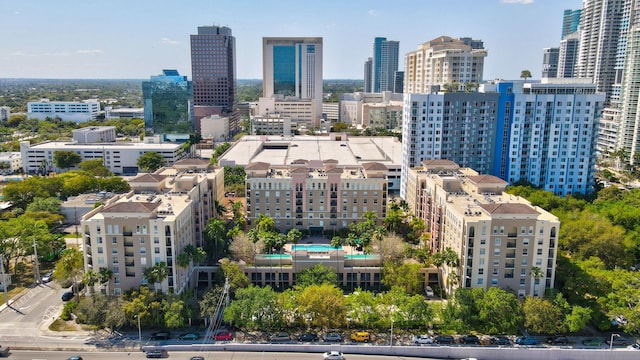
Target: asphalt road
{"x":63,"y":355}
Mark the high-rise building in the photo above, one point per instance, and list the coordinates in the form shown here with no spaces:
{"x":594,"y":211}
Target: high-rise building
{"x":550,"y":62}
{"x":628,"y":120}
{"x":384,"y":64}
{"x":213,"y":70}
{"x":292,"y":71}
{"x":570,"y":22}
{"x":543,"y":133}
{"x":499,"y":238}
{"x":398,"y":82}
{"x":600,"y":45}
{"x":443,"y":60}
{"x":568,"y":55}
{"x":367,"y":75}
{"x":168,"y":104}
{"x":5,"y":113}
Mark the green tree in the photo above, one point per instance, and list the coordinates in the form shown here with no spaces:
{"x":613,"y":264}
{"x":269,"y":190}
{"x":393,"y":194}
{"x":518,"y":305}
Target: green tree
{"x":105,"y":275}
{"x":323,"y":306}
{"x":90,"y":279}
{"x":95,"y":167}
{"x":65,"y":159}
{"x":215,"y":241}
{"x":150,"y":161}
{"x":50,"y":204}
{"x":156,"y":273}
{"x":70,"y":266}
{"x":316,"y":275}
{"x":406,"y":276}
{"x":525,"y":74}
{"x":236,"y":277}
{"x":541,"y":316}
{"x":499,"y":312}
{"x":255,"y":308}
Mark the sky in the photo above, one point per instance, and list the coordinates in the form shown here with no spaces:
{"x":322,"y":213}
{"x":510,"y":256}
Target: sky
{"x":135,"y":39}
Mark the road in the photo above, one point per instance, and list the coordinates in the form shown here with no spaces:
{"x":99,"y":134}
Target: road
{"x":51,"y":355}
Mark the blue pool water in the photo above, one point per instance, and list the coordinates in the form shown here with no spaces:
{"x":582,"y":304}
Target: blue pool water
{"x":314,"y":248}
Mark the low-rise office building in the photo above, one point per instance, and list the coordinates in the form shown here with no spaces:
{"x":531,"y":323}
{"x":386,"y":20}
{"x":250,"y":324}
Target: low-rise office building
{"x":501,"y":239}
{"x":78,"y":111}
{"x":10,"y":162}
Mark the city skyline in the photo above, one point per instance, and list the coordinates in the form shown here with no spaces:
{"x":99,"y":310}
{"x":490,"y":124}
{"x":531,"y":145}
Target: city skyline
{"x":137,"y":39}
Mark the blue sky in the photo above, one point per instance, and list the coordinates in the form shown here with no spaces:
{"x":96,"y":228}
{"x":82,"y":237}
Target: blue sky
{"x":139,"y":38}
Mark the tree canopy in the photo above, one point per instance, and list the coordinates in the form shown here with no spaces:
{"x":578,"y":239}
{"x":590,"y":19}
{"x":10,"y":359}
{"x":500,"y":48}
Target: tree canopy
{"x":150,"y":161}
{"x":66,"y":159}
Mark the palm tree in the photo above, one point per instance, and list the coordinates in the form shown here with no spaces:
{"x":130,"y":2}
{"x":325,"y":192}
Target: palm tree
{"x":219,"y":209}
{"x":156,"y":274}
{"x":336,"y":242}
{"x":105,"y":277}
{"x":215,"y":231}
{"x":536,"y":274}
{"x":294,"y":236}
{"x":90,"y":278}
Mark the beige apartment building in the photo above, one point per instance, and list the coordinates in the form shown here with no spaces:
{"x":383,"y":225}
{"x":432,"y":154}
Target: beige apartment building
{"x":315,"y":195}
{"x":501,"y":239}
{"x":443,"y":60}
{"x":164,"y":212}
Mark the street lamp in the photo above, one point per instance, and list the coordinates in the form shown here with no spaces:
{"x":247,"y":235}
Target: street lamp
{"x":35,"y":255}
{"x":611,"y":341}
{"x":139,"y":330}
{"x":391,"y":342}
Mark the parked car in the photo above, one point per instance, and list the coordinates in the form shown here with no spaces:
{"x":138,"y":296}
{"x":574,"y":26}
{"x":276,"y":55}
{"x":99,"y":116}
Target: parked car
{"x":360,"y":336}
{"x":280,"y":337}
{"x":75,"y":357}
{"x":68,"y":295}
{"x":196,"y":358}
{"x":308,"y":337}
{"x":557,"y":340}
{"x":635,"y":346}
{"x":500,"y":340}
{"x":223,"y":336}
{"x":161,"y":335}
{"x":4,"y":351}
{"x":619,"y":320}
{"x":470,"y":340}
{"x":527,"y":340}
{"x":189,"y":336}
{"x":156,"y":353}
{"x":333,"y":337}
{"x":444,"y":339}
{"x":618,"y":341}
{"x":428,"y":291}
{"x":333,"y":355}
{"x":422,"y":340}
{"x":47,"y":277}
{"x":592,"y":342}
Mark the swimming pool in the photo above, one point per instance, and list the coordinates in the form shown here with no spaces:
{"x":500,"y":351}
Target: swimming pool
{"x":314,"y":248}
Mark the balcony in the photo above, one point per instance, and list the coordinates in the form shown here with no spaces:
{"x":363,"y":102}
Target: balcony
{"x":298,"y":195}
{"x":128,"y":243}
{"x":299,"y":202}
{"x":334,"y":195}
{"x":512,"y":235}
{"x":127,"y":233}
{"x":511,"y":244}
{"x":510,"y":264}
{"x":130,"y":274}
{"x":129,"y":254}
{"x":510,"y":254}
{"x":129,"y":263}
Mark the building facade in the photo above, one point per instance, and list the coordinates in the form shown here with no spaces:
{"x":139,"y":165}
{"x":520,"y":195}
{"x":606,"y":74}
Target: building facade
{"x":292,"y":70}
{"x":550,"y":59}
{"x":214,"y":75}
{"x":318,"y":196}
{"x":77,"y":111}
{"x":384,"y":64}
{"x":570,"y":22}
{"x":94,"y":134}
{"x":398,"y":82}
{"x":5,"y":113}
{"x":168,"y":100}
{"x":544,"y":133}
{"x":568,"y":55}
{"x":165,"y":212}
{"x":501,"y":240}
{"x":443,"y":60}
{"x":10,"y":162}
{"x":351,"y":105}
{"x":367,"y":75}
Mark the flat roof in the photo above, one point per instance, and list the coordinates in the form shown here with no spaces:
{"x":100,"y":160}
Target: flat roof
{"x":54,"y":145}
{"x":284,"y":150}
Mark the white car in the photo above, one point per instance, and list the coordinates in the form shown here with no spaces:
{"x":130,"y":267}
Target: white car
{"x":428,"y":291}
{"x":333,"y":355}
{"x":422,"y":340}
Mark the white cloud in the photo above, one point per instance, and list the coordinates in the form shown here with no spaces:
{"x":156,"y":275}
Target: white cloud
{"x":19,"y":53}
{"x":90,"y":51}
{"x":169,"y":41}
{"x":524,"y":2}
{"x":372,"y":13}
{"x":57,"y":54}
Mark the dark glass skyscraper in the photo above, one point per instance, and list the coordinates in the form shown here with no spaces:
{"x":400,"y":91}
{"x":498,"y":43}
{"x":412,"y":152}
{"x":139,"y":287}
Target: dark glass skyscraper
{"x":384,"y":64}
{"x":570,"y":22}
{"x":213,"y":69}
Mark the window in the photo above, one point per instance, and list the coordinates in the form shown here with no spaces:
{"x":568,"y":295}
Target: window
{"x":143,"y":251}
{"x":480,"y":281}
{"x":497,"y":240}
{"x":523,"y":282}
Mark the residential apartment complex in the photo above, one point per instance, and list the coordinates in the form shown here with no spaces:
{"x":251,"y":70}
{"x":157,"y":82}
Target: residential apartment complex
{"x":315,"y":195}
{"x":292,"y":72}
{"x":378,"y":110}
{"x":77,"y":111}
{"x":5,"y":113}
{"x":544,"y":133}
{"x":213,"y":70}
{"x":163,"y":213}
{"x":443,"y":60}
{"x":501,"y":240}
